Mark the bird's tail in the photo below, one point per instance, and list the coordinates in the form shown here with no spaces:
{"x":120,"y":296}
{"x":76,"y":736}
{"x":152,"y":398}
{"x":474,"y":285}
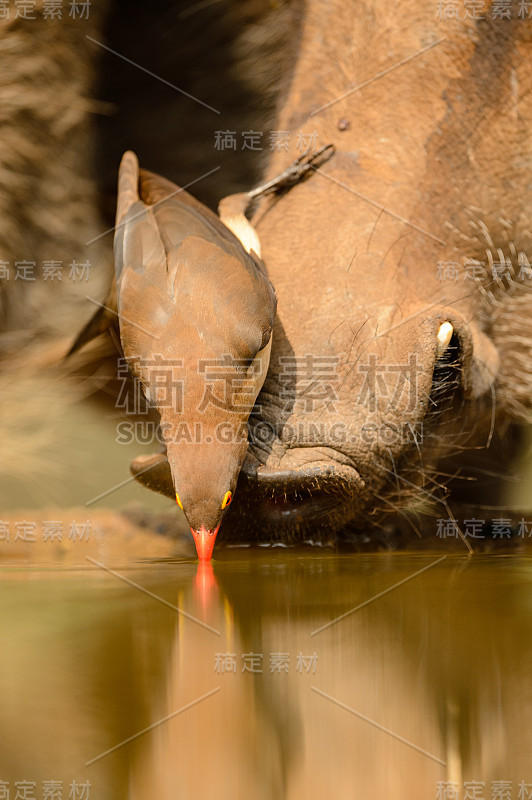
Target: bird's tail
{"x":128,"y":184}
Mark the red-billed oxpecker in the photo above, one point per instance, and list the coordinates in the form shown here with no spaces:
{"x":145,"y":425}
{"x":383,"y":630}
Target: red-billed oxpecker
{"x":196,"y":311}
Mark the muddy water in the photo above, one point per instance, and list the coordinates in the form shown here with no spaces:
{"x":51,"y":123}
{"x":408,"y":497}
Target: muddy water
{"x":277,"y":673}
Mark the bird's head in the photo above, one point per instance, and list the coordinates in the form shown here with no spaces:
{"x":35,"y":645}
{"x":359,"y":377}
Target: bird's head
{"x":206,"y":435}
{"x":204,"y":475}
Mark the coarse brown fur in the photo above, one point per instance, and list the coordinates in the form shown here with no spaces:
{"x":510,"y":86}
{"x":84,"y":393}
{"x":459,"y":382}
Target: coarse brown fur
{"x":431,"y":174}
{"x":433,"y":168}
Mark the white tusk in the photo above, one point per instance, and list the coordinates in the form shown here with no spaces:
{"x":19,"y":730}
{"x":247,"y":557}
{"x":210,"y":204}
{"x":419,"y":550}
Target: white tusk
{"x":232,"y":212}
{"x":444,"y":337}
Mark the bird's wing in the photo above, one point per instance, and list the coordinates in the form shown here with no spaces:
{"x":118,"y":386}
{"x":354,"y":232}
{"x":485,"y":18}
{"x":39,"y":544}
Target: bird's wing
{"x":136,"y":243}
{"x":155,"y":220}
{"x":140,"y":266}
{"x":191,"y":231}
{"x":179,"y":212}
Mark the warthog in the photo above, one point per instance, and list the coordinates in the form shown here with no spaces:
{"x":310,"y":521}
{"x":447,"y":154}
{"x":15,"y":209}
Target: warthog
{"x":403,"y":337}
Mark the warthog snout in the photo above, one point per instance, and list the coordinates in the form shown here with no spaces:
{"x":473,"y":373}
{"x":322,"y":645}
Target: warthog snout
{"x":309,"y":477}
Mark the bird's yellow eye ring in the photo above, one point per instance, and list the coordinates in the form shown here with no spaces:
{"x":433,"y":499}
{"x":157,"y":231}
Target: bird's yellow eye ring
{"x":178,"y":501}
{"x":228,"y":496}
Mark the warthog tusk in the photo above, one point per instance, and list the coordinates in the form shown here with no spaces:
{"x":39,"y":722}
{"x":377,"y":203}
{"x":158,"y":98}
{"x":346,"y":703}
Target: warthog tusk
{"x":445,"y":334}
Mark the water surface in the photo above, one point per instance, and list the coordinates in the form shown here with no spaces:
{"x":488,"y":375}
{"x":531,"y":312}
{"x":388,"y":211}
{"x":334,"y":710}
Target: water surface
{"x":277,"y":673}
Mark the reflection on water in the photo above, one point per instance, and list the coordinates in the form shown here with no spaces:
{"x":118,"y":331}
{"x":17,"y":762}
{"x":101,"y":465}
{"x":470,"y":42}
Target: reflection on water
{"x":230,"y":681}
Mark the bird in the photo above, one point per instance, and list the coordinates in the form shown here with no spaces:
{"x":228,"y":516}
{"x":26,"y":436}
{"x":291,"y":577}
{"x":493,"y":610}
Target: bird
{"x":195,"y":309}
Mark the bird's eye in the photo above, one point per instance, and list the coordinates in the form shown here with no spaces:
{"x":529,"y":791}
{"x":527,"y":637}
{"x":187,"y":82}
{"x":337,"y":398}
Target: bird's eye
{"x":178,"y":501}
{"x":227,"y":499}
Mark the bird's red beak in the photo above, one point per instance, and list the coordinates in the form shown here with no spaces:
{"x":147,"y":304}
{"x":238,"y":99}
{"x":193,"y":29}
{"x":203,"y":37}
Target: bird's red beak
{"x":205,"y":540}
